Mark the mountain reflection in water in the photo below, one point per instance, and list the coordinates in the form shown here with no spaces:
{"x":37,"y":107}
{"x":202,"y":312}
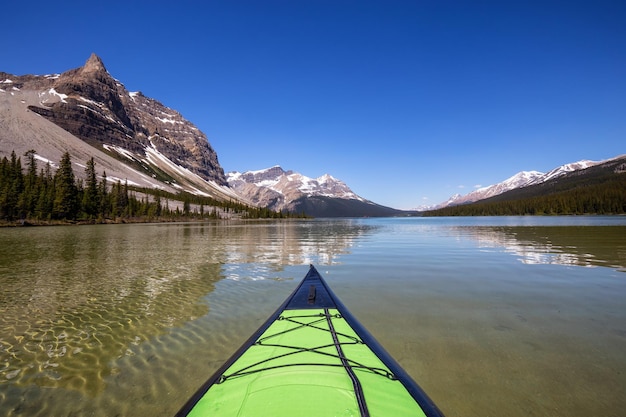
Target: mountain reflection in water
{"x":76,"y":300}
{"x":129,"y":320}
{"x":564,"y":245}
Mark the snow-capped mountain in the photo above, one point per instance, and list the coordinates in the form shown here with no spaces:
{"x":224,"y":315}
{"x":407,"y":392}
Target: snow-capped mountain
{"x":324,"y":196}
{"x":276,"y":188}
{"x":138,"y":140}
{"x":564,"y":169}
{"x":519,"y":180}
{"x":131,"y":137}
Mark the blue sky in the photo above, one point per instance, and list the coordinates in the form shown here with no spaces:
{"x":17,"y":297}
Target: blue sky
{"x":408,"y":102}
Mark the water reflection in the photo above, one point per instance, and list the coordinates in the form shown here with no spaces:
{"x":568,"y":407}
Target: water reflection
{"x":294,"y":243}
{"x":565,"y":245}
{"x":130,"y":319}
{"x":76,"y":300}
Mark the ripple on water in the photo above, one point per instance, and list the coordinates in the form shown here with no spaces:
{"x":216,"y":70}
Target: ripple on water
{"x":131,"y":320}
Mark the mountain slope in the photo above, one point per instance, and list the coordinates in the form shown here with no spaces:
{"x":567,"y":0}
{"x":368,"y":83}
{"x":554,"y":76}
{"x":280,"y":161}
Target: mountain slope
{"x":600,"y":188}
{"x":138,"y":140}
{"x":290,"y":191}
{"x":158,"y":146}
{"x":519,"y":180}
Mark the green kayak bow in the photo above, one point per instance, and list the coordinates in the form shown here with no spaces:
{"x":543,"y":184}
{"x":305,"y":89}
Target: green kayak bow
{"x":311,"y":358}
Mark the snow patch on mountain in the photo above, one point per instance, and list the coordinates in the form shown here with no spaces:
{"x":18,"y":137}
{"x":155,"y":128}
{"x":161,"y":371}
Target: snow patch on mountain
{"x":564,"y":169}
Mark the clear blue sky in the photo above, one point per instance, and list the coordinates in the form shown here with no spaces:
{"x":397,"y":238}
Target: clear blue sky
{"x":408,"y":102}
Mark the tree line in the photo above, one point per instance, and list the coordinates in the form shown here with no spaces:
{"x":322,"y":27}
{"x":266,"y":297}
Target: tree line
{"x":34,"y":194}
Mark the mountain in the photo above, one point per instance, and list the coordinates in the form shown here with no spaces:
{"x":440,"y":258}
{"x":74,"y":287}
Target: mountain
{"x":87,"y":112}
{"x":584,"y":187}
{"x":564,"y":169}
{"x":325,"y":196}
{"x":519,"y":180}
{"x":138,"y":140}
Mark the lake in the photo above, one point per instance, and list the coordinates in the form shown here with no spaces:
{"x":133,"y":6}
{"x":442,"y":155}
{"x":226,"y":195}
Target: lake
{"x":492,"y":316}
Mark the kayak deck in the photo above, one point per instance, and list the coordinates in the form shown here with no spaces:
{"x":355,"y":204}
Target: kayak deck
{"x":311,"y":358}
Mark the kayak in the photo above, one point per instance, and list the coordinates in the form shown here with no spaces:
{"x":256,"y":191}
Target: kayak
{"x":311,"y":358}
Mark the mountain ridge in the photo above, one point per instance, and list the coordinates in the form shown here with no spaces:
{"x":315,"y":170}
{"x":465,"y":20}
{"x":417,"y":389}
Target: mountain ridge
{"x":595,"y":188}
{"x":518,"y":180}
{"x":324,"y":196}
{"x":160,"y":148}
{"x":138,"y":140}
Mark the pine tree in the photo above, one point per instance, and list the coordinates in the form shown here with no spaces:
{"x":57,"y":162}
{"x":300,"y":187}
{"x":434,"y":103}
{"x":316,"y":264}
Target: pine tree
{"x":4,"y":188}
{"x":104,"y":197}
{"x":66,"y":192}
{"x":45,"y":199}
{"x":28,"y":200}
{"x":17,"y":186}
{"x":91,"y":203}
{"x":11,"y":187}
{"x":157,"y":202}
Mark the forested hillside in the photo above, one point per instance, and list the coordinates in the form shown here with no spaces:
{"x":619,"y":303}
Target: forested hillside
{"x":596,"y":190}
{"x":34,"y":195}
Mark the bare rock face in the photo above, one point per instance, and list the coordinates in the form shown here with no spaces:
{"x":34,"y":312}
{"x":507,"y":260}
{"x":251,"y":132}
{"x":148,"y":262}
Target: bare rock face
{"x":93,"y":106}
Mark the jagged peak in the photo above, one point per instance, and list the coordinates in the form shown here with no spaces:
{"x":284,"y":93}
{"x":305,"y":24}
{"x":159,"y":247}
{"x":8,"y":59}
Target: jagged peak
{"x":275,"y":168}
{"x":94,"y":64}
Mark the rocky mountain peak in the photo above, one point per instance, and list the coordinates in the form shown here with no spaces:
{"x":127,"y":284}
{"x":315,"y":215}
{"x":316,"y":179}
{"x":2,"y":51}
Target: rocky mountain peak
{"x":324,"y":196}
{"x":93,"y":64}
{"x":278,"y":189}
{"x":269,"y":174}
{"x":93,"y":106}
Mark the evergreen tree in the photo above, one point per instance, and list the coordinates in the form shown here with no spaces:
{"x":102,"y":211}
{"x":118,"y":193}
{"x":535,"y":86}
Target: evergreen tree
{"x":4,"y":188}
{"x":11,"y":187}
{"x":91,"y":203}
{"x":28,"y":200}
{"x":17,"y":186}
{"x":104,"y":197}
{"x":66,"y":192}
{"x":119,"y":200}
{"x":45,"y":199}
{"x":157,"y":202}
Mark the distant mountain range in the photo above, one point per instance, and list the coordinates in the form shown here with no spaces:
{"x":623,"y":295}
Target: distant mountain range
{"x":138,"y":140}
{"x":519,"y":180}
{"x":325,"y":196}
{"x":585,"y":187}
